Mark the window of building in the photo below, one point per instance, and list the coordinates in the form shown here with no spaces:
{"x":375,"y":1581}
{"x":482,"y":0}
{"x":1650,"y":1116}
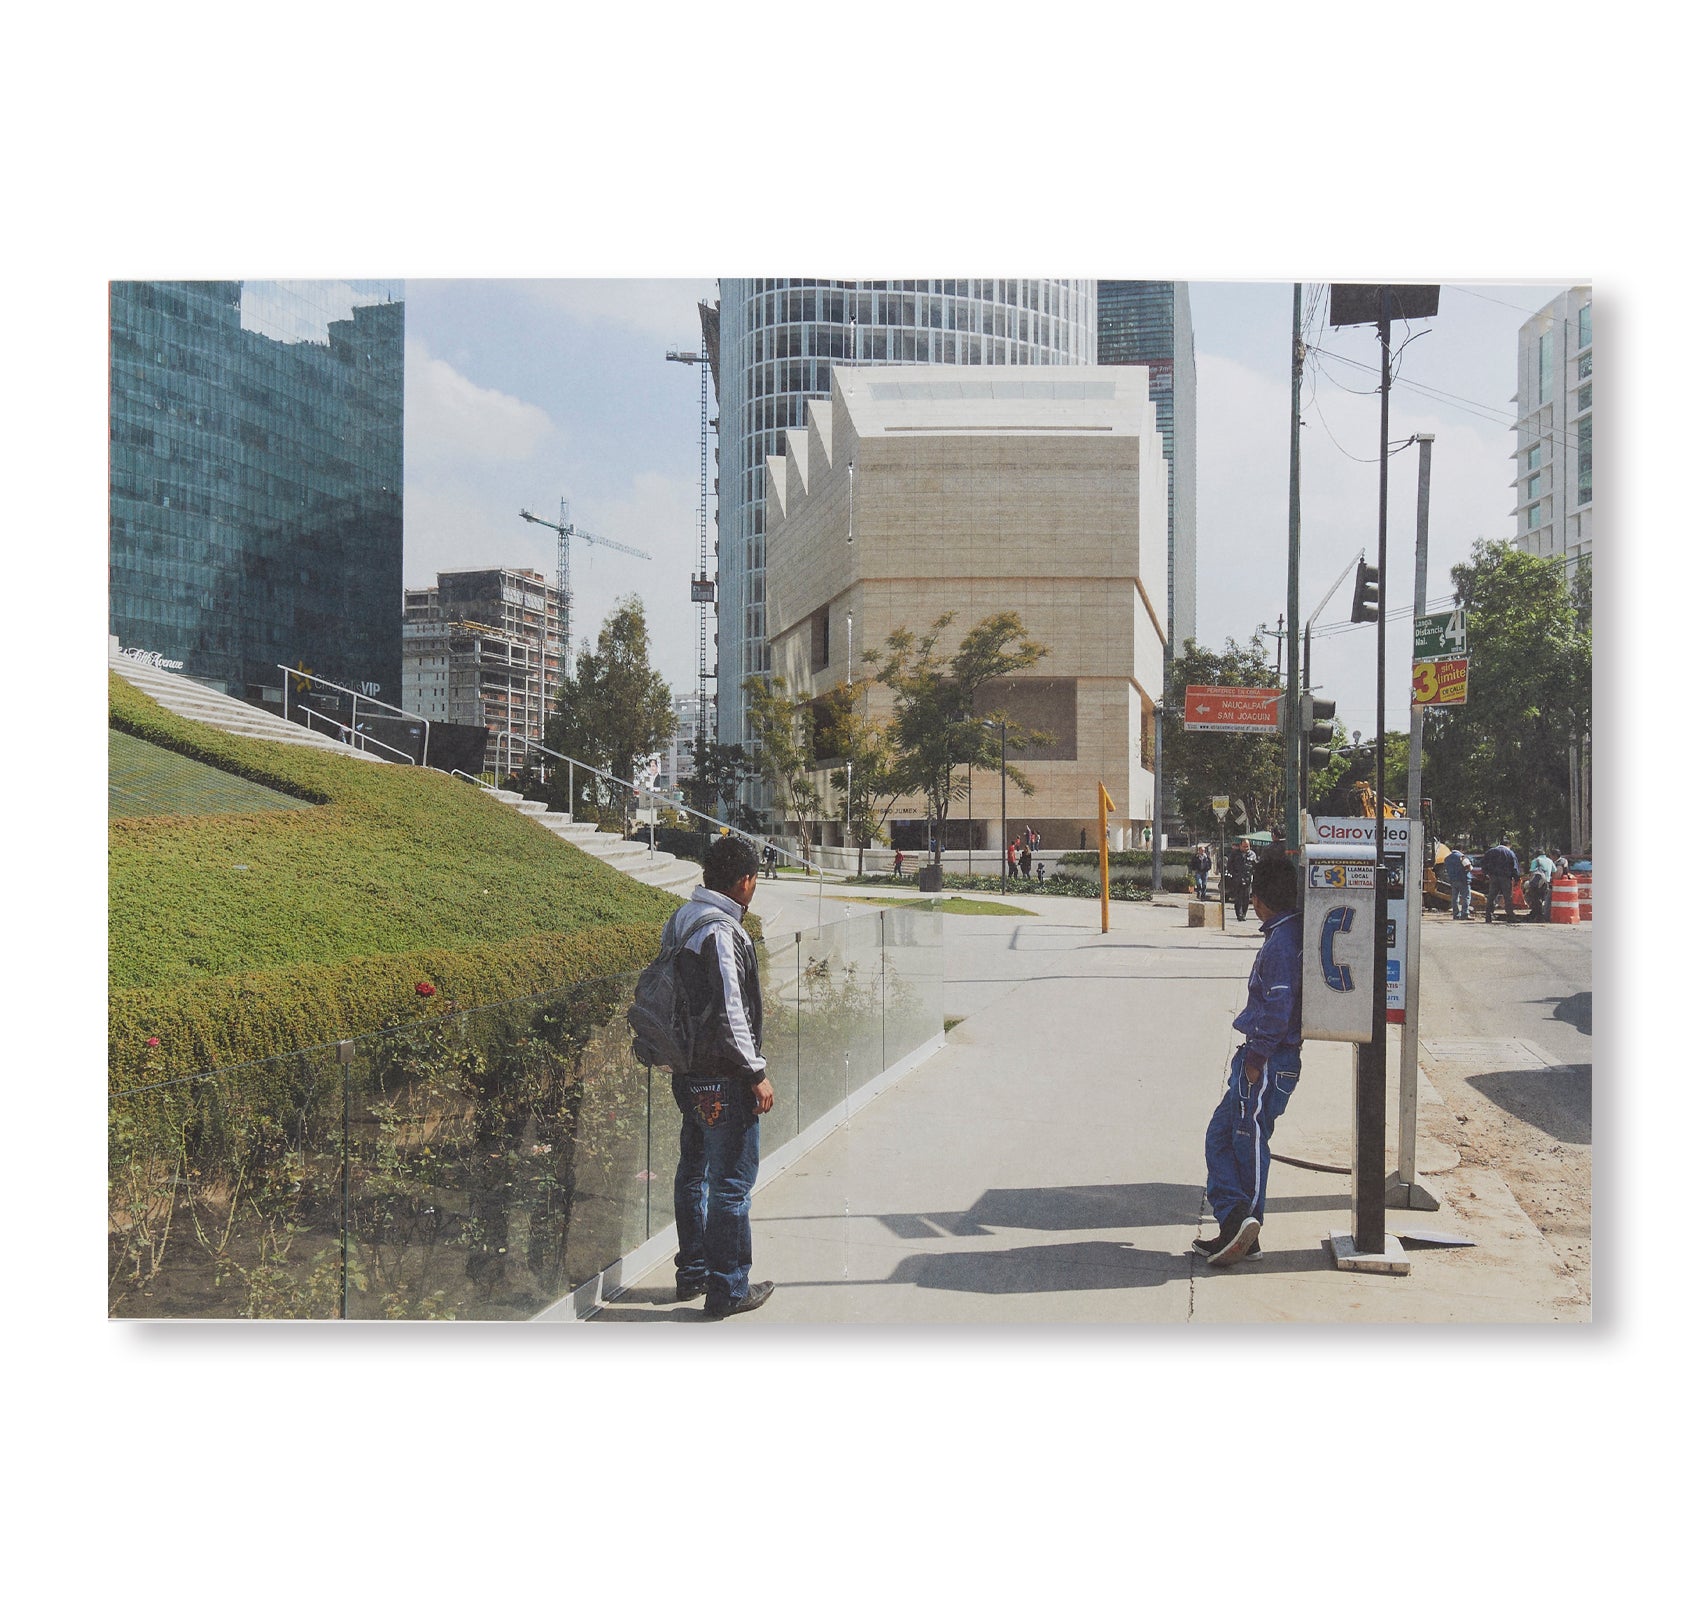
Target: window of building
{"x":1544,"y":371}
{"x":1585,"y":397}
{"x":1585,"y":325}
{"x":1534,"y":516}
{"x":820,"y":639}
{"x":1585,"y":460}
{"x":1534,"y":456}
{"x":1585,"y":364}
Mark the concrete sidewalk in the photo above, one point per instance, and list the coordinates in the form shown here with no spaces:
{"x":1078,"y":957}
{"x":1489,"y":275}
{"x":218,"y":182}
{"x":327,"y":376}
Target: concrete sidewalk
{"x":1046,"y":1165}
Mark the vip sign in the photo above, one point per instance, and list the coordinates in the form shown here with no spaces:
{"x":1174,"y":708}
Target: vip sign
{"x":1345,"y":836}
{"x":1339,"y":942}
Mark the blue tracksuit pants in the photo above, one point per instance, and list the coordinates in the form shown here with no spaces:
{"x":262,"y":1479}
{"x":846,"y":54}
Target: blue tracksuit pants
{"x":1236,"y":1144}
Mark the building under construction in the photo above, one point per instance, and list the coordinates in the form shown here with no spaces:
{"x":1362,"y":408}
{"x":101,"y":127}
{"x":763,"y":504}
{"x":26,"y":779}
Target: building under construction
{"x":485,"y":647}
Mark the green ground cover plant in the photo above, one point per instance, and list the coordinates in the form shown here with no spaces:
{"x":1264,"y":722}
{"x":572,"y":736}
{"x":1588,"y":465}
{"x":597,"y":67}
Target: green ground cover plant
{"x":235,"y":937}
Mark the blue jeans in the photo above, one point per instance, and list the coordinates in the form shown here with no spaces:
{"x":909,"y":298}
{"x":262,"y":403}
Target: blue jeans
{"x":1461,"y":902}
{"x":1236,"y":1144}
{"x":719,"y":1152}
{"x":1499,"y":889}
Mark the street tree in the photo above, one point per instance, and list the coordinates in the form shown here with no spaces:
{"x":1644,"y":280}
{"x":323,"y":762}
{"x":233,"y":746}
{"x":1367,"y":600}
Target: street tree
{"x":1249,"y":768}
{"x":614,"y":710}
{"x":1500,"y":764}
{"x":936,"y":732}
{"x":783,"y":727}
{"x":863,"y":771}
{"x":719,"y":771}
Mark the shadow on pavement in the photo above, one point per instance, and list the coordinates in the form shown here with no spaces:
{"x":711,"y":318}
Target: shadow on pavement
{"x":1576,"y":1009}
{"x":1559,"y":1101}
{"x":1084,"y":1208}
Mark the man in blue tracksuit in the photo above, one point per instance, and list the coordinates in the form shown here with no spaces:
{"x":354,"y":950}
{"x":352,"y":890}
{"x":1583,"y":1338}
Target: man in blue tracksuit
{"x":1264,"y":1073}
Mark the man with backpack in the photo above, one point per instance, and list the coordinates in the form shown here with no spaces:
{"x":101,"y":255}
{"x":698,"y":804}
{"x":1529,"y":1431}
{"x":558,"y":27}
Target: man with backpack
{"x":720,"y":1081}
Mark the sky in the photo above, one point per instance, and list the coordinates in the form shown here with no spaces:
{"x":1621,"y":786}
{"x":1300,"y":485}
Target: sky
{"x":522,"y":393}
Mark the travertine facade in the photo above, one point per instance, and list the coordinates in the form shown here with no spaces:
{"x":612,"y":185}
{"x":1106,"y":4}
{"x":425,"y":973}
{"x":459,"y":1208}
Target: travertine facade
{"x":915,"y":491}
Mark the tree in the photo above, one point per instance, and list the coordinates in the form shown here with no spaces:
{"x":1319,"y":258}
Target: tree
{"x":614,"y":709}
{"x":719,"y":772}
{"x":934,"y":728}
{"x":1501,"y":763}
{"x":1248,"y":767}
{"x":863,"y":774}
{"x":783,"y":727}
{"x":1334,"y":781}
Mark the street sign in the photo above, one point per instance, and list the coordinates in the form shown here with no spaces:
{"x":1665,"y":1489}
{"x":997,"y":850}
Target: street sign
{"x":1439,"y":635}
{"x":1232,"y":708}
{"x":1440,"y":683}
{"x":1219,"y":804}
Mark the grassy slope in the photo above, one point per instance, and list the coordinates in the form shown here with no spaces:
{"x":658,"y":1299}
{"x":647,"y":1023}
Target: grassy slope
{"x":401,"y":873}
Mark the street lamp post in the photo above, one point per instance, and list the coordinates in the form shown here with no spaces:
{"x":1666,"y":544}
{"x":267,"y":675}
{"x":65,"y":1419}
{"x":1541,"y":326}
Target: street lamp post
{"x":1003,"y":802}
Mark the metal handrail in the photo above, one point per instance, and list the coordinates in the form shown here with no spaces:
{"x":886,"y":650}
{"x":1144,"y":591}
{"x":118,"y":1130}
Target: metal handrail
{"x":474,"y":777}
{"x":573,"y":761}
{"x":354,"y":733}
{"x":356,"y":697}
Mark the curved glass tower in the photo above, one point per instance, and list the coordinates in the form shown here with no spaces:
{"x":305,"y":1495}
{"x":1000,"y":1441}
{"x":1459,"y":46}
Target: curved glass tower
{"x":779,"y":338}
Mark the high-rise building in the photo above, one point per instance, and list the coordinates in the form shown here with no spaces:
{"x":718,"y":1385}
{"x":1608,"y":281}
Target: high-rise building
{"x":484,"y":647}
{"x":255,"y":480}
{"x":972,"y":487}
{"x":777,"y":341}
{"x":1553,"y":464}
{"x":1149,"y":324}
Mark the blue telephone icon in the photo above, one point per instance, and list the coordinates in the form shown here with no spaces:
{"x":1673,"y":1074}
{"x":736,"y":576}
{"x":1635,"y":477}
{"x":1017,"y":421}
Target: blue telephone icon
{"x":1337,"y":975}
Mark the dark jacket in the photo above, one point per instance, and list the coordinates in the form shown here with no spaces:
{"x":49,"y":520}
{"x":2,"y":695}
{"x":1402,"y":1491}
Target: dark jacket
{"x":718,"y":971}
{"x":1500,"y":862}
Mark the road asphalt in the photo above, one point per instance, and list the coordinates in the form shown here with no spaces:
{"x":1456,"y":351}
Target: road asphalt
{"x":1045,"y":1165}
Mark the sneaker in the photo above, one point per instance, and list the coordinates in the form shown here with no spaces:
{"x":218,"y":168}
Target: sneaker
{"x":718,"y":1310}
{"x":1236,"y":1246}
{"x":1209,"y":1247}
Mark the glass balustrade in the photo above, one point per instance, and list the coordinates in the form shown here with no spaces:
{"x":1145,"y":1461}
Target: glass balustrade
{"x":474,"y":1165}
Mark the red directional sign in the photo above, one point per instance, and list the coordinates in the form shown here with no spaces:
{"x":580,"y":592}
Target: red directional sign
{"x":1228,"y":709}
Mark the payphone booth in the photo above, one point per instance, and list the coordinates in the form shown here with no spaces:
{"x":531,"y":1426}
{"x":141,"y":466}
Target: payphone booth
{"x":1340,"y":943}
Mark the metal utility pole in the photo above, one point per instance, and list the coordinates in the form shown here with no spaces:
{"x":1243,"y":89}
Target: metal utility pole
{"x":702,"y":585}
{"x":564,"y":571}
{"x":1295,"y":734}
{"x":1403,"y":1190}
{"x":1355,"y":304}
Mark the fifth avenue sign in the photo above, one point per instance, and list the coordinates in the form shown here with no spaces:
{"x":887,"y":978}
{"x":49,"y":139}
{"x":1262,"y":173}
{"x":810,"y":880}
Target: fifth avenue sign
{"x":1217,"y":708}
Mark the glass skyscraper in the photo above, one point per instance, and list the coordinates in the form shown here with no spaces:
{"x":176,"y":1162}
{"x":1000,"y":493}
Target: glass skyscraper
{"x":255,"y":472}
{"x":1149,"y":325}
{"x":779,"y":338}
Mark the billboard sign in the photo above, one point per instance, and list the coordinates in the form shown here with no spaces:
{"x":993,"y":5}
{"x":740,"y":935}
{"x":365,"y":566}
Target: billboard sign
{"x":1440,"y":683}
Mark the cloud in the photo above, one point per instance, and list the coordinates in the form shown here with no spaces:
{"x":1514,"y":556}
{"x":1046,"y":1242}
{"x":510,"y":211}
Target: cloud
{"x":450,"y":418}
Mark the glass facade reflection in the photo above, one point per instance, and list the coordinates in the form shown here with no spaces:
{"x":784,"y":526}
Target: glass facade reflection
{"x":1149,"y":324}
{"x":778,"y":340}
{"x":256,"y":479}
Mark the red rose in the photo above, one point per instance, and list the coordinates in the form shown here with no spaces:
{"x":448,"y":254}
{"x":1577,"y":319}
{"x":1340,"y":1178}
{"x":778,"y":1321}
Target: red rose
{"x":153,"y":1044}
{"x":424,"y":988}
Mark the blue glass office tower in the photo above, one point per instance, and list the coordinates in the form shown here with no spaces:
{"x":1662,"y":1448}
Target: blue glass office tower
{"x":255,"y":473}
{"x":1150,"y":325}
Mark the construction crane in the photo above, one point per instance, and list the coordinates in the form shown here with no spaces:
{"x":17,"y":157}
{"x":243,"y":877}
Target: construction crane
{"x":564,"y":571}
{"x":702,"y":586}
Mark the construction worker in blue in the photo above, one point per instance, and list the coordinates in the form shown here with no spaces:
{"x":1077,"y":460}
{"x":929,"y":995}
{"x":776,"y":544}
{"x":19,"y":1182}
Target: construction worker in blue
{"x":1263,"y":1075}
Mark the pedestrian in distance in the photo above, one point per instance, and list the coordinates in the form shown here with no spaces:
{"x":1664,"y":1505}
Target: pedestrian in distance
{"x":1456,"y":869}
{"x":1237,"y":870}
{"x":724,"y":1088}
{"x":1041,"y":871}
{"x":1200,"y":865}
{"x":1500,"y":864}
{"x":1537,"y":888}
{"x":1262,"y":1076}
{"x":1026,"y":860}
{"x":1010,"y":859}
{"x":897,"y":864}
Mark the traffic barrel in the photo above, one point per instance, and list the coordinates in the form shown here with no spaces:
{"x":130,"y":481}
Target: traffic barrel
{"x":1585,"y":895}
{"x":1564,"y":907}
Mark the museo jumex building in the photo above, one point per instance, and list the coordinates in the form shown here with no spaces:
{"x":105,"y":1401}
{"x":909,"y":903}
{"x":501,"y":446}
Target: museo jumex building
{"x":256,"y":480}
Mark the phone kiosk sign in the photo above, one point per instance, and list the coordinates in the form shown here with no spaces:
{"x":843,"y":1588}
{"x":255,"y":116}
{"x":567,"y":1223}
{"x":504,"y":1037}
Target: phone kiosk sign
{"x":1326,"y":835}
{"x":1340,"y":947}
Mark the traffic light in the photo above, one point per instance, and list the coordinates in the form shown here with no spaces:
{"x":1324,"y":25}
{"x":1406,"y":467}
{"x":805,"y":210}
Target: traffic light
{"x":1316,"y":718}
{"x":1366,"y":597}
